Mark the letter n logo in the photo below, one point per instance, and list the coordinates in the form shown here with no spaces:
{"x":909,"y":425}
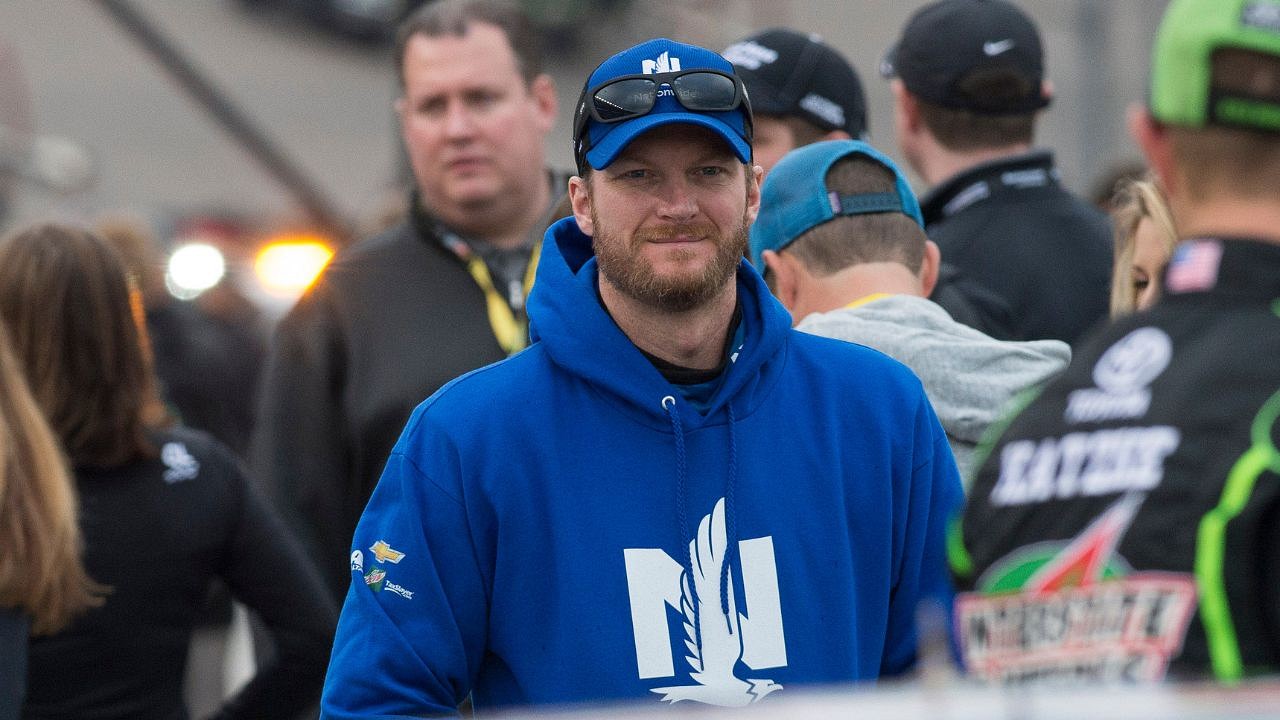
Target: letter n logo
{"x":654,"y":583}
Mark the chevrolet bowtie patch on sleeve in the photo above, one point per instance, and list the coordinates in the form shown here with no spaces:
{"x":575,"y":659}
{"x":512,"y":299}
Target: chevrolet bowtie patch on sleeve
{"x":385,"y":553}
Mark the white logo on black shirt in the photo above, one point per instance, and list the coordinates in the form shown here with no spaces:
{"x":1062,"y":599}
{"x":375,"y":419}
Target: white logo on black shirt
{"x":1122,"y":375}
{"x":180,"y":463}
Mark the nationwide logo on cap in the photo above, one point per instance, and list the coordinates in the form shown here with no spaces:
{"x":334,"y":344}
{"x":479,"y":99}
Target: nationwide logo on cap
{"x":385,"y":553}
{"x":664,"y":64}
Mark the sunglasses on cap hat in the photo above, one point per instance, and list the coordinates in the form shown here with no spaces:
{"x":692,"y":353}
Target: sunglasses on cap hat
{"x":631,"y":96}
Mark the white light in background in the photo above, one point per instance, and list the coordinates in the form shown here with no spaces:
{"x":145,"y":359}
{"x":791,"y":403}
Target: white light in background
{"x":194,"y":268}
{"x":286,"y":268}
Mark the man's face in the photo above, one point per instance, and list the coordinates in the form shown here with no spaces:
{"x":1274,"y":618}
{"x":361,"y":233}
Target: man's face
{"x":773,"y":138}
{"x":473,"y":128}
{"x":669,"y":216}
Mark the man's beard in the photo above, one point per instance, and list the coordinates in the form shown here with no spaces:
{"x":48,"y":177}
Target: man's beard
{"x":624,"y":265}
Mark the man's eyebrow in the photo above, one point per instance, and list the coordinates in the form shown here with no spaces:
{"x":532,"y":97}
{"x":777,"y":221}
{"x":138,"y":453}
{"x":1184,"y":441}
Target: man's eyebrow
{"x":719,"y":156}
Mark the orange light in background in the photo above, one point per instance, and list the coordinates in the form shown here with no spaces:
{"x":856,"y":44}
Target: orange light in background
{"x":287,"y":266}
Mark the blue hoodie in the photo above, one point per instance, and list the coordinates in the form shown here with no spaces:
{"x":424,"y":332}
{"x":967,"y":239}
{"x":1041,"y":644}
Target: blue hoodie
{"x":563,"y":526}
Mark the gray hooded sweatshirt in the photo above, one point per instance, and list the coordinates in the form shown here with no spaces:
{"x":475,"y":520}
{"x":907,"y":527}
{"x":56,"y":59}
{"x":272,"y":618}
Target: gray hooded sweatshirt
{"x":969,"y":377}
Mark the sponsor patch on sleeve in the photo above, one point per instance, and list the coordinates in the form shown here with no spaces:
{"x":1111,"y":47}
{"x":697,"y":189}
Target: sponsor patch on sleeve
{"x":1073,"y":612}
{"x":384,"y":553}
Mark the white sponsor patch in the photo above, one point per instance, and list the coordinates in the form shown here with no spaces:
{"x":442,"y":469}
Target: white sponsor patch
{"x":749,"y":54}
{"x":1083,"y":464}
{"x":1122,"y":375}
{"x":399,"y":590}
{"x":823,"y":108}
{"x":1124,"y":630}
{"x":180,"y":463}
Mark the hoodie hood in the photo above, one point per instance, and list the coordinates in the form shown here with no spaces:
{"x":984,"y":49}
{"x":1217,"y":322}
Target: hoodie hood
{"x":568,"y":320}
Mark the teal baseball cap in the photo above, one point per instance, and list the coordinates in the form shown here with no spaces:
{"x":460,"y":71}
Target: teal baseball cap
{"x":1183,"y":89}
{"x":795,"y":198}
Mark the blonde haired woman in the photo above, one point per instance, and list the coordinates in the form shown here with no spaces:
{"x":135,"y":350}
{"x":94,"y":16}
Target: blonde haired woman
{"x":1144,"y":240}
{"x":43,"y":585}
{"x":163,"y":510}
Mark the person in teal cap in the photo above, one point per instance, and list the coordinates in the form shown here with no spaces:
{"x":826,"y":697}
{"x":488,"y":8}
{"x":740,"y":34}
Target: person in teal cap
{"x":841,"y":243}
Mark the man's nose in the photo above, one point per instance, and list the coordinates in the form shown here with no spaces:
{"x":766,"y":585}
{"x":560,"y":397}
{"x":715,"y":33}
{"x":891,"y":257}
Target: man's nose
{"x":679,"y":203}
{"x":458,"y":121}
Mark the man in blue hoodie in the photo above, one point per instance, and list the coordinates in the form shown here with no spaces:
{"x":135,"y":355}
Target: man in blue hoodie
{"x":684,"y":500}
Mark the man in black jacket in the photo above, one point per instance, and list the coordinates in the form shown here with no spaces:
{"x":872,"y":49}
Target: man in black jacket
{"x":1127,"y":524}
{"x":968,"y":85}
{"x":397,"y":315}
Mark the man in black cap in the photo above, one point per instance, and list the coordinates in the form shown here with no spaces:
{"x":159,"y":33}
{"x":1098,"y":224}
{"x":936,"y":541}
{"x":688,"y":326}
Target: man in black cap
{"x":968,"y":85}
{"x":802,"y":91}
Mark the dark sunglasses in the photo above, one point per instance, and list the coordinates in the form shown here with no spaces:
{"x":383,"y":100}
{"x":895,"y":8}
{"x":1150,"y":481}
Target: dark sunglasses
{"x":632,"y":96}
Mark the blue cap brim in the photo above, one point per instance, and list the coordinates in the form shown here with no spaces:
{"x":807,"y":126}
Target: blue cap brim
{"x":603,"y":153}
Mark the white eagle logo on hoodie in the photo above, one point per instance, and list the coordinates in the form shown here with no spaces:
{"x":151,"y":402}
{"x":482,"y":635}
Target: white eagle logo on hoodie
{"x":712,"y":661}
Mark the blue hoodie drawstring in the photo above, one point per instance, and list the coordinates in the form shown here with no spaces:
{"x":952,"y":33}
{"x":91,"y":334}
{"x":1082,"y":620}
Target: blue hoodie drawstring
{"x":730,"y":518}
{"x":682,"y":515}
{"x":731,"y":525}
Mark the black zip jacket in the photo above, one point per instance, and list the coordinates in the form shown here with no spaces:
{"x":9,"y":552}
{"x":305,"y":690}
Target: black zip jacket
{"x":1127,"y":524}
{"x":392,"y":319}
{"x":156,"y":532}
{"x":1008,"y":226}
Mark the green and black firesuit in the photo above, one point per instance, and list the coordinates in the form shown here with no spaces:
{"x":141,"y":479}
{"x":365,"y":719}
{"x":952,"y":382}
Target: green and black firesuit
{"x":1126,"y":525}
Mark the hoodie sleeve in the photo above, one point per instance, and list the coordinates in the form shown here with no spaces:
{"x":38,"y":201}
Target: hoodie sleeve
{"x":413,"y":628}
{"x":923,"y":588}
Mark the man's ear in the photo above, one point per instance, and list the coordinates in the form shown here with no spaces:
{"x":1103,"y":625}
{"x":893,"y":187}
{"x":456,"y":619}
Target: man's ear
{"x":543,"y":91}
{"x":930,"y":264}
{"x":753,"y":192}
{"x":905,"y":108}
{"x":1153,"y":139}
{"x":784,"y":274}
{"x":580,"y":201}
{"x":1047,"y":89}
{"x":401,"y":106}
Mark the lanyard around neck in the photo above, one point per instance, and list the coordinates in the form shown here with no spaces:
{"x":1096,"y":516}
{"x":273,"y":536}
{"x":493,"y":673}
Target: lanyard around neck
{"x":507,"y":316}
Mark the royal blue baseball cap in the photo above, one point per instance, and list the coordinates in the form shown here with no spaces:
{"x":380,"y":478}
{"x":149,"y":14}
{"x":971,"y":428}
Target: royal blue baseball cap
{"x":600,"y":143}
{"x":795,"y":198}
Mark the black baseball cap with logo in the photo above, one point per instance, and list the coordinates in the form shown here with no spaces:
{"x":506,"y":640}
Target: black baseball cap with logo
{"x":947,"y":44}
{"x":789,"y":73}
